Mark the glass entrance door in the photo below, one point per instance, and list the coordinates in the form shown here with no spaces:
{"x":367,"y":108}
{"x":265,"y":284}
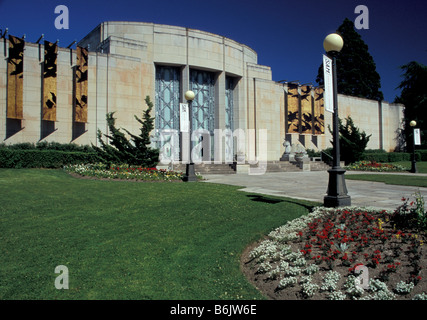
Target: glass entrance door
{"x":202,"y":83}
{"x":167,"y":111}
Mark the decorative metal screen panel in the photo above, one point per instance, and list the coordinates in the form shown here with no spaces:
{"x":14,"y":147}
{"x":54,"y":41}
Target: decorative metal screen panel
{"x":293,"y":109}
{"x":202,"y":83}
{"x":229,"y":119}
{"x":167,"y":110}
{"x":306,"y":110}
{"x":49,"y":81}
{"x":319,"y":111}
{"x":15,"y":78}
{"x":229,"y":113}
{"x":81,"y":85}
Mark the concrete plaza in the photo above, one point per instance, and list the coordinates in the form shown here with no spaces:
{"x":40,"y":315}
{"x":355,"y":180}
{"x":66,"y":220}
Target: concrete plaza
{"x":313,"y":186}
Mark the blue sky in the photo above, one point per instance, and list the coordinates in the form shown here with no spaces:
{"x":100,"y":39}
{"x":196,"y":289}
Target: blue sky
{"x":287,"y":35}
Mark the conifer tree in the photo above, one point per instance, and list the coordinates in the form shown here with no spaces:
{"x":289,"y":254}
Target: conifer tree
{"x":142,"y":142}
{"x":353,"y":142}
{"x":133,"y":151}
{"x":356,"y":69}
{"x":414,"y":97}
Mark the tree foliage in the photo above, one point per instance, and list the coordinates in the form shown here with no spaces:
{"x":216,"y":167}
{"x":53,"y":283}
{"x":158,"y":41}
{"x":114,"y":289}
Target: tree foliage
{"x":356,"y":69}
{"x":353,"y":142}
{"x":133,"y":151}
{"x":414,"y":97}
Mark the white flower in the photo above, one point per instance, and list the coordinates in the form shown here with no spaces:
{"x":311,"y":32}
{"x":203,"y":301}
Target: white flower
{"x":336,"y":295}
{"x":330,"y":281}
{"x":287,"y":282}
{"x":403,"y":288}
{"x":309,"y":289}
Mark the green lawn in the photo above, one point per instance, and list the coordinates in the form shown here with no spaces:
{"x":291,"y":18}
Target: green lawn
{"x":421,"y":165}
{"x":393,"y":178}
{"x":129,"y":240}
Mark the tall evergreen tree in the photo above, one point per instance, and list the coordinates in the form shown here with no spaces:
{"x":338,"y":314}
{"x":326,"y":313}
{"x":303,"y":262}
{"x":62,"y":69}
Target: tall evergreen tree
{"x":137,"y":150}
{"x":414,"y":97}
{"x":353,"y":142}
{"x":356,"y":69}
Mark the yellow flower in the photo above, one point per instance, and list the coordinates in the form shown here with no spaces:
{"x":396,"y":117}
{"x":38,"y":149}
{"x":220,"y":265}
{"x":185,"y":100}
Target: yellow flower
{"x":380,"y":223}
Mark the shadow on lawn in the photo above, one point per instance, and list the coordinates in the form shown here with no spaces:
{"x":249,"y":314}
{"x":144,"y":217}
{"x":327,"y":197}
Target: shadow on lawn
{"x":260,"y":198}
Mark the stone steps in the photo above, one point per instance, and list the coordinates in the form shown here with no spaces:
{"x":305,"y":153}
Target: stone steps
{"x":272,"y":166}
{"x":206,"y":168}
{"x":281,"y":166}
{"x":319,"y":166}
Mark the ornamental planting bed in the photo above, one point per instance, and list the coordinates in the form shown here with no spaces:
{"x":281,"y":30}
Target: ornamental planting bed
{"x":366,"y":165}
{"x":321,"y":256}
{"x":123,"y":172}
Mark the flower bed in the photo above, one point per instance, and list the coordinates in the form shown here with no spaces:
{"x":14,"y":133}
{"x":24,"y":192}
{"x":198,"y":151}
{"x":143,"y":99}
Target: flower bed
{"x":336,"y":254}
{"x":375,"y":166}
{"x":124,"y":172}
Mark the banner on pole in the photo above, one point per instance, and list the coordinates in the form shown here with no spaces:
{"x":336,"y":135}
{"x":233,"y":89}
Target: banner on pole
{"x":184,"y":117}
{"x":293,"y":109}
{"x":15,"y":79}
{"x":49,"y":81}
{"x":81,"y":85}
{"x":417,"y":137}
{"x":328,"y":77}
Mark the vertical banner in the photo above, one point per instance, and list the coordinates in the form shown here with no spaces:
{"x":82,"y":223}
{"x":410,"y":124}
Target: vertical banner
{"x":81,"y":85}
{"x":306,"y":110}
{"x":417,"y":137}
{"x":328,"y":79}
{"x":49,"y":81}
{"x":15,"y":79}
{"x":293,"y":109}
{"x":184,"y":119}
{"x":319,"y":111}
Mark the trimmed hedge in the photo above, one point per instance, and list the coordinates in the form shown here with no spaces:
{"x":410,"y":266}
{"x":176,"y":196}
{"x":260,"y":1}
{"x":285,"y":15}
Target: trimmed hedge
{"x":420,"y":155}
{"x":30,"y":158}
{"x":70,"y":147}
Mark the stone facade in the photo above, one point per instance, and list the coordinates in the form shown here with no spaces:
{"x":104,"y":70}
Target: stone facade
{"x":125,"y":65}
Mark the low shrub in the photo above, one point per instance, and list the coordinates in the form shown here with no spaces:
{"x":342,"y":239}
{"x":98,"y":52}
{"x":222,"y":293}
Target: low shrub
{"x":69,"y":147}
{"x":420,"y":155}
{"x":33,"y":158}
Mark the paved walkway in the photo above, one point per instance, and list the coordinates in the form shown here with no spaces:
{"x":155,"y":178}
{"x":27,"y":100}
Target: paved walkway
{"x":312,"y":186}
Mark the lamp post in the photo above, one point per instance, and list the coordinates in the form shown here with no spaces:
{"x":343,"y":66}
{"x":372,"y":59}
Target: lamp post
{"x":337,"y":190}
{"x":413,"y":123}
{"x":190,"y":175}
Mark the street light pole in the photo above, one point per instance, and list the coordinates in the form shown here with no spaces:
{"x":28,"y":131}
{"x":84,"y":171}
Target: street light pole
{"x":337,"y":191}
{"x":190,"y":175}
{"x":413,"y":123}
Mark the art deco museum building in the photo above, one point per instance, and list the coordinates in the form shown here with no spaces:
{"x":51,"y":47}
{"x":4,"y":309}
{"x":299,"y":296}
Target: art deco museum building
{"x":49,"y":93}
